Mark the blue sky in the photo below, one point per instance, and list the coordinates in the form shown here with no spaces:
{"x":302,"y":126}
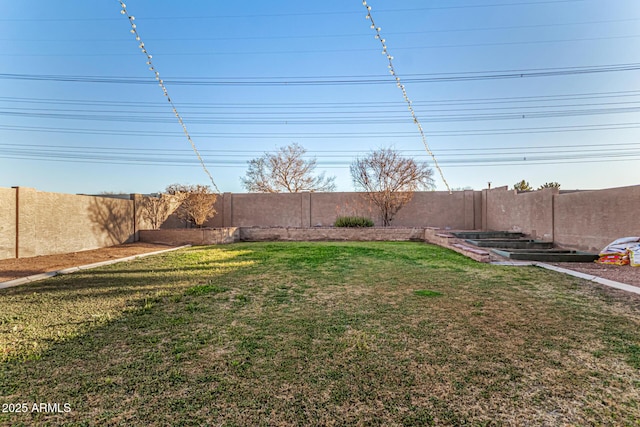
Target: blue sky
{"x":541,"y":90}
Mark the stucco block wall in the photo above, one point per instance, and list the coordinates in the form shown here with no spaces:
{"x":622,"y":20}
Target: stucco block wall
{"x":326,"y":207}
{"x":276,"y":210}
{"x":48,"y":223}
{"x":434,"y":209}
{"x":530,"y":212}
{"x":54,"y":223}
{"x":437,"y":209}
{"x":590,"y":220}
{"x":7,"y":223}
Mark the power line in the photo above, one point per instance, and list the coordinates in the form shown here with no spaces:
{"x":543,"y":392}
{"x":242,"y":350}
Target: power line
{"x":334,"y":80}
{"x":456,"y":160}
{"x":565,"y":148}
{"x":331,"y":135}
{"x":324,"y":36}
{"x":319,"y":51}
{"x":364,"y":118}
{"x":311,"y":51}
{"x":273,"y":15}
{"x":316,"y":105}
{"x":369,"y":109}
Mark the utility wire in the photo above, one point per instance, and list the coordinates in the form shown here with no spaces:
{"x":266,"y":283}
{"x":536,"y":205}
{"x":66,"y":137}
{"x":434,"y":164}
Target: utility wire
{"x":312,"y":51}
{"x":325,"y":36}
{"x":334,"y":80}
{"x":244,"y":16}
{"x":469,"y":151}
{"x":141,"y":45}
{"x":573,"y":156}
{"x":368,"y":110}
{"x":365,"y":118}
{"x":151,"y":133}
{"x":332,"y":105}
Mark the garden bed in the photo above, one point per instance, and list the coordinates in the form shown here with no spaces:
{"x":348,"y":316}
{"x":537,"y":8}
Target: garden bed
{"x":191,"y":236}
{"x":295,"y":234}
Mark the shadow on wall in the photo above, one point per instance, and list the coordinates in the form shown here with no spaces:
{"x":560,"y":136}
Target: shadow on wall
{"x":112,"y":220}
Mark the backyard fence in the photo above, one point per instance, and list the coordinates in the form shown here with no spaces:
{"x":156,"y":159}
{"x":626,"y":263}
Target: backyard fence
{"x":40,"y":223}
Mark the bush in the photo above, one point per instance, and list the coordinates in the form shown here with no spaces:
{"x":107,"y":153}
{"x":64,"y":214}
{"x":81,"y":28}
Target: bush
{"x":353,"y":221}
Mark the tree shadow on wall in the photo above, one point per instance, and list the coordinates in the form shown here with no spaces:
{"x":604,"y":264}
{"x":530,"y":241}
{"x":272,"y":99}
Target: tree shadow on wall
{"x":112,"y":219}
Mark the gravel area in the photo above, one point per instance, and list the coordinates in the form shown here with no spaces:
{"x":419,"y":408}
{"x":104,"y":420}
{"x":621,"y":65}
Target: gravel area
{"x":619,"y":273}
{"x":15,"y":268}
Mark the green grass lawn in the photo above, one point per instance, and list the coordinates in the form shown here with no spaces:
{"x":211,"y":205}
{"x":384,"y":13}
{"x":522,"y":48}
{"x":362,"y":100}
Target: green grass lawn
{"x":319,"y":334}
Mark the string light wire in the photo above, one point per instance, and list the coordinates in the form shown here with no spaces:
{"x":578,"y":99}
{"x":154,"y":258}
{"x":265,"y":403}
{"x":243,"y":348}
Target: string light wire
{"x":392,"y":70}
{"x":152,"y":68}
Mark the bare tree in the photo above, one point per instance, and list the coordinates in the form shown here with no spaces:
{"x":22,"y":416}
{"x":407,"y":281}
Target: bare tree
{"x":155,"y":210}
{"x":196,"y":202}
{"x":389,"y":180}
{"x":285,"y":171}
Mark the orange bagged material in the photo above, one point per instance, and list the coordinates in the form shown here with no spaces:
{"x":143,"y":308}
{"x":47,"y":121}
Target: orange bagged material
{"x":614,"y":259}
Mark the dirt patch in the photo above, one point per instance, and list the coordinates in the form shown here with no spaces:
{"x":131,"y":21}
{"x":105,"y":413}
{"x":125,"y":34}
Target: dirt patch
{"x":619,"y":273}
{"x":15,"y":268}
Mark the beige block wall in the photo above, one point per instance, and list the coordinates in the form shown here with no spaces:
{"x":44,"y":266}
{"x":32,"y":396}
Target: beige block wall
{"x":434,"y":209}
{"x":326,"y":207}
{"x":7,"y":223}
{"x":262,"y":210}
{"x":590,"y":220}
{"x":530,"y":212}
{"x":54,"y":223}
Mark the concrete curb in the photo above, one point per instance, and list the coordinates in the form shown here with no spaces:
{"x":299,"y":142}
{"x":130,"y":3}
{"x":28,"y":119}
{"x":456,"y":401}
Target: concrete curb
{"x":42,"y":276}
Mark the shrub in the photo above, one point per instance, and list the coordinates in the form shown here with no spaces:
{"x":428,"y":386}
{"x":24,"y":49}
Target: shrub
{"x":353,"y":221}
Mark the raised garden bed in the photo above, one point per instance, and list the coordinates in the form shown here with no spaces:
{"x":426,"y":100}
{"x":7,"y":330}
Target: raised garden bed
{"x":295,"y":234}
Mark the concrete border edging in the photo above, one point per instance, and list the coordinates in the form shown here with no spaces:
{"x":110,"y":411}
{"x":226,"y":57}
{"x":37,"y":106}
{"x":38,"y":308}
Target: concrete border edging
{"x":69,"y":270}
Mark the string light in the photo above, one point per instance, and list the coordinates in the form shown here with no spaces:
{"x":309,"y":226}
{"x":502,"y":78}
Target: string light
{"x":392,"y":71}
{"x":152,"y":68}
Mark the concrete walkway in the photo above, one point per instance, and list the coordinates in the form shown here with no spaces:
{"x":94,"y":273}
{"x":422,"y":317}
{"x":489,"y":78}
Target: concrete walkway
{"x":42,"y":276}
{"x":590,"y":277}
